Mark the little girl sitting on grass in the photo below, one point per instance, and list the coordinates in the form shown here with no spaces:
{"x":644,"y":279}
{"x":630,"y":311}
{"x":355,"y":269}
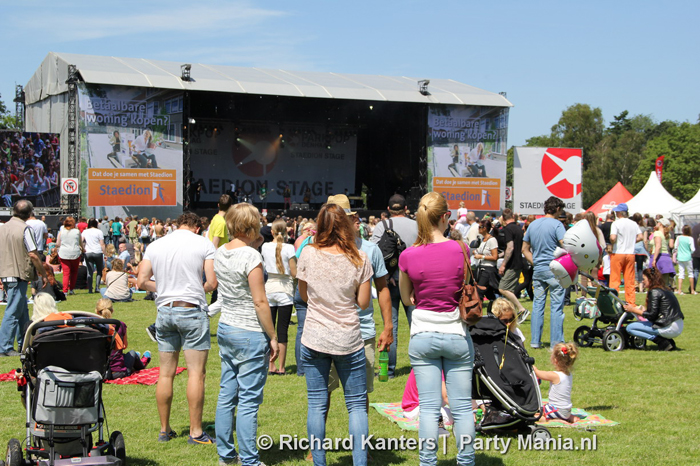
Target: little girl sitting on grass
{"x":121,"y":365}
{"x":560,"y":381}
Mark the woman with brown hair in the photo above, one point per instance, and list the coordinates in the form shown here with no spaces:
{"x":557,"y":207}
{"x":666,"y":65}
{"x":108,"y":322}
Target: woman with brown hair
{"x":70,"y":247}
{"x":334,"y":281}
{"x":664,"y":319}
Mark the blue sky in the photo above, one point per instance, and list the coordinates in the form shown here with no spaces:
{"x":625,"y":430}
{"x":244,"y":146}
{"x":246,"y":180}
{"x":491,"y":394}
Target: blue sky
{"x":640,"y":56}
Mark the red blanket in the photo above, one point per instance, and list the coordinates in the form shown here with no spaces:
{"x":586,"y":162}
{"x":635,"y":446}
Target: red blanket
{"x":145,"y":377}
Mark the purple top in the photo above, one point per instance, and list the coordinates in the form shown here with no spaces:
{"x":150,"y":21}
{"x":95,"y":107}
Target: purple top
{"x":117,"y":357}
{"x":436,"y":271}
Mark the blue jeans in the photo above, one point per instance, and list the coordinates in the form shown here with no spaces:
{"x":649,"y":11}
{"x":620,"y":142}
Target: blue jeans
{"x":245,"y":356}
{"x":300,"y":307}
{"x":16,"y":317}
{"x":431,"y":354}
{"x":642,"y":329}
{"x":395,"y":302}
{"x":353,"y":376}
{"x":542,"y":282}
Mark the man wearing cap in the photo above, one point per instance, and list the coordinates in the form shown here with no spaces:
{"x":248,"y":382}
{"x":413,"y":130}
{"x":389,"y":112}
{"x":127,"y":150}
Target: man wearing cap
{"x":367,"y":326}
{"x":623,"y":234}
{"x":407,"y":230}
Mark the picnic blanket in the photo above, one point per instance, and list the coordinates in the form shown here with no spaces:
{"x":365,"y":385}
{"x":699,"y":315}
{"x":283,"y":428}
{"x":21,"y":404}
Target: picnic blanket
{"x":394,"y":413}
{"x":144,"y":377}
{"x":587,"y":420}
{"x":9,"y":377}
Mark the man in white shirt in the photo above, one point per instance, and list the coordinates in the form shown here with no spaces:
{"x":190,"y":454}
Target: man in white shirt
{"x":41,"y":233}
{"x":177,"y":261}
{"x":623,"y":234}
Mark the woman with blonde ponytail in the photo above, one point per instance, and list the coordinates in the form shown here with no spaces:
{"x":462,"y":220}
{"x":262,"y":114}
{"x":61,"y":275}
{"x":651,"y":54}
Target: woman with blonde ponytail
{"x":281,"y":268}
{"x":431,"y":275}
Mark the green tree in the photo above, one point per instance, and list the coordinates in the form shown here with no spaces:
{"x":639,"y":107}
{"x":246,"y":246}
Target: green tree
{"x":7,"y":120}
{"x":617,"y":155}
{"x":680,"y":144}
{"x":580,"y":126}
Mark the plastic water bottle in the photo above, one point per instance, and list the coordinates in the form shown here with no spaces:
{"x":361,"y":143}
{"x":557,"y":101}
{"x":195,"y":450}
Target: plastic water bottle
{"x":383,"y":366}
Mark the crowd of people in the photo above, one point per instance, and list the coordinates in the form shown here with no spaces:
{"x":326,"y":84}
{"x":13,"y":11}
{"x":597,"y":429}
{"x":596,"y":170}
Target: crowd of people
{"x":252,"y":263}
{"x":29,"y":165}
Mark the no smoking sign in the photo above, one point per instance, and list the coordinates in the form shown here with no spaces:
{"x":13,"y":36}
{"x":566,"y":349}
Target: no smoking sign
{"x":69,"y":186}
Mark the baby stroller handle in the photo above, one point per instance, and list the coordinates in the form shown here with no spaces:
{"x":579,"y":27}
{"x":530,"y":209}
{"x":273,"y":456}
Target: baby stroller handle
{"x":76,"y":323}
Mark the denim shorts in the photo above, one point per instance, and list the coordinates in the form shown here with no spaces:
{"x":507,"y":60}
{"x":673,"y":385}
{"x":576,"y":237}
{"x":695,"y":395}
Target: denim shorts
{"x":182,"y":328}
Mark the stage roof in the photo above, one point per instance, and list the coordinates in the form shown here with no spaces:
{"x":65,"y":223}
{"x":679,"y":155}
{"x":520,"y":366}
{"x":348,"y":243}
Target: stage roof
{"x":50,"y":79}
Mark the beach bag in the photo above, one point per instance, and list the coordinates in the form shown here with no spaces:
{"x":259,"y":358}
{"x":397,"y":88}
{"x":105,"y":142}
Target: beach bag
{"x":470,"y":309}
{"x":391,"y":246}
{"x":586,"y":308}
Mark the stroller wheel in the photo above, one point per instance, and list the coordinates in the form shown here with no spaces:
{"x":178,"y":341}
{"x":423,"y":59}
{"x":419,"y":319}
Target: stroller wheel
{"x":582,"y":336}
{"x":638,"y":343}
{"x":117,"y":446}
{"x":14,"y":453}
{"x":613,"y":341}
{"x":540,"y":433}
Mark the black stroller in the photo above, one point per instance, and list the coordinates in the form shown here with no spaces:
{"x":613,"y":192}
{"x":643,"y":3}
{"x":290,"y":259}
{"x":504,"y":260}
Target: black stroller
{"x":511,"y":395}
{"x":604,"y":306}
{"x":63,"y":365}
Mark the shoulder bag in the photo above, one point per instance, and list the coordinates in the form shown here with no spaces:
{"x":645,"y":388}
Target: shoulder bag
{"x":469,"y":303}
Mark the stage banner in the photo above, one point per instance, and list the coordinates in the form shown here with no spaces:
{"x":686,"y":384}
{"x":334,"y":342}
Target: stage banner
{"x":30,"y":168}
{"x":541,"y":172}
{"x":131,"y":151}
{"x":256,"y":161}
{"x":467,"y":155}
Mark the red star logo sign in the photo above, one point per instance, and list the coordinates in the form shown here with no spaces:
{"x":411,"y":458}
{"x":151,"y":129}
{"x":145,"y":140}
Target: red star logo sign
{"x":561,"y":171}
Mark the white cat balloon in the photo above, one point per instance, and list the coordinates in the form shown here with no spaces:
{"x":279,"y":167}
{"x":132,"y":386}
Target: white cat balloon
{"x":581,"y":252}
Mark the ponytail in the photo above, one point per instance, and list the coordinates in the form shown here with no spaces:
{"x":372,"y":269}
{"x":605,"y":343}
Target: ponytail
{"x":432,"y":206}
{"x":279,"y":229}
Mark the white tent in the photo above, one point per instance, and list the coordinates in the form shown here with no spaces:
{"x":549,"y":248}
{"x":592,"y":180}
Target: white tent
{"x":653,"y":199}
{"x":688,"y":213}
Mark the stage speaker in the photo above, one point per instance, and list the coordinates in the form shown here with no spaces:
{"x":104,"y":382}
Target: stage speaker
{"x":305,"y":207}
{"x":295,"y":206}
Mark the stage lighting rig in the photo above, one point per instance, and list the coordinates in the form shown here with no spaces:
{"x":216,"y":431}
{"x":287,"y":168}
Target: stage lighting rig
{"x":185,"y":70}
{"x":423,"y":86}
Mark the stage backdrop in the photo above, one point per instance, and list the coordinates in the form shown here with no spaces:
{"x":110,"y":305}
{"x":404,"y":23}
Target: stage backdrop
{"x":467,"y":155}
{"x":541,"y":172}
{"x":116,"y":123}
{"x":247,"y":155}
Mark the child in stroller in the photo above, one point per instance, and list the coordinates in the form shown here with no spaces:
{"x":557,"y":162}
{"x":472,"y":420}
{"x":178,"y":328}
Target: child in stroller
{"x":64,"y":362}
{"x":504,"y":381}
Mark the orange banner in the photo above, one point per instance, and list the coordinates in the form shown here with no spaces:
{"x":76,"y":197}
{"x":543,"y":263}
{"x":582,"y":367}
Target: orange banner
{"x":476,"y":193}
{"x":131,"y":187}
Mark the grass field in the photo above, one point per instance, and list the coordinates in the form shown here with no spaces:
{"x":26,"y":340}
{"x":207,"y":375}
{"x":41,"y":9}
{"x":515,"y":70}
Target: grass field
{"x":652,"y":394}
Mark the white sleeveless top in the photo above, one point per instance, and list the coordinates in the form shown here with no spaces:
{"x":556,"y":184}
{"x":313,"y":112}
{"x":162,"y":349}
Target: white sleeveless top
{"x":560,"y":394}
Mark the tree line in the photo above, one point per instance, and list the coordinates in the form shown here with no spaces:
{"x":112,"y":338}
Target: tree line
{"x":626,"y":151}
